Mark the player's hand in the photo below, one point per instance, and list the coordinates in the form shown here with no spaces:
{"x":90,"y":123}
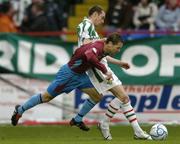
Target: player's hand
{"x":109,"y":76}
{"x":104,"y":39}
{"x":125,"y":65}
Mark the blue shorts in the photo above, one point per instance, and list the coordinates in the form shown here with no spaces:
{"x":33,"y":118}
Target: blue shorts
{"x":66,"y":80}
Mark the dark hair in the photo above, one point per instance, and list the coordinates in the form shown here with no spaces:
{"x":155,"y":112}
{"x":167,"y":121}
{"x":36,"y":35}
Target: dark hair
{"x":5,"y":6}
{"x":94,"y":9}
{"x":115,"y":38}
{"x":39,"y":6}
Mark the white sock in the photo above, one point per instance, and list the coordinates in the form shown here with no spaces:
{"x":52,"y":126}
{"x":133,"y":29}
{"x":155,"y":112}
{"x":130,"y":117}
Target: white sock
{"x":128,"y":111}
{"x":131,"y":116}
{"x":113,"y":107}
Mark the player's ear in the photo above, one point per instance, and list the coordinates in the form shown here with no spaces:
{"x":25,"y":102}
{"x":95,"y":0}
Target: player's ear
{"x":110,"y":43}
{"x":96,"y":14}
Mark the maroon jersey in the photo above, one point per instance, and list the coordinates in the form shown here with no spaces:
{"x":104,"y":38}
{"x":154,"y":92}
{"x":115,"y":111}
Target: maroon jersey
{"x":88,"y":56}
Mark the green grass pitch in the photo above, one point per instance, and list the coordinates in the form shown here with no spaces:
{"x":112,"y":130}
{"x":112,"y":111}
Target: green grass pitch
{"x":57,"y":134}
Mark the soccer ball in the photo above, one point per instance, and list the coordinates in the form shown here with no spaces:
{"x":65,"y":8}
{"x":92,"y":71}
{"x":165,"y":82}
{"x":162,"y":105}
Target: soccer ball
{"x":158,"y":132}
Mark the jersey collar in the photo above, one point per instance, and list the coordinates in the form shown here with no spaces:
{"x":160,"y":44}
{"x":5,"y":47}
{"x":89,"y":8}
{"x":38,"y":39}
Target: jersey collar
{"x":87,"y":19}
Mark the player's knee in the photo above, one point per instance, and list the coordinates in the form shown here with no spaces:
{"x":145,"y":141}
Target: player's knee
{"x":125,"y":99}
{"x":46,"y":97}
{"x":98,"y":98}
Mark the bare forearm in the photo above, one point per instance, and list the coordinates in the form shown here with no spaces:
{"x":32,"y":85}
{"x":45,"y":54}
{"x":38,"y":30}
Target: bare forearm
{"x":86,"y":41}
{"x":113,"y":60}
{"x":118,"y":62}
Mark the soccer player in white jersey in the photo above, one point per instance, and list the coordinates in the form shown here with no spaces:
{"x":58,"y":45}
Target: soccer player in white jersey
{"x":87,"y":33}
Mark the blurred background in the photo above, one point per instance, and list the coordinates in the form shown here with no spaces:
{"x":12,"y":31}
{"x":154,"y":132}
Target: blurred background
{"x":39,"y":36}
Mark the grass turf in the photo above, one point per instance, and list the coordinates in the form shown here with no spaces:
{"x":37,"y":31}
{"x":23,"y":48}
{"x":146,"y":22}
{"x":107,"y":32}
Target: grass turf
{"x":55,"y":134}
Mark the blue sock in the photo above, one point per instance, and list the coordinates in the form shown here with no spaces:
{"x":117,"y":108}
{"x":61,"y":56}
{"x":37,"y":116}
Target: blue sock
{"x":87,"y":106}
{"x":33,"y":101}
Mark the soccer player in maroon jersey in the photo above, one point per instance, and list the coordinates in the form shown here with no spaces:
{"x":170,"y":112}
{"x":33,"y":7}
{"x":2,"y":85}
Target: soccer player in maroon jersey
{"x":72,"y":75}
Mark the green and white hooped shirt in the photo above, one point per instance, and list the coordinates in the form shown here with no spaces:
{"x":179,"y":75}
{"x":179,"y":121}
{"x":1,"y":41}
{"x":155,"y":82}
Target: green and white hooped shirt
{"x":86,"y":30}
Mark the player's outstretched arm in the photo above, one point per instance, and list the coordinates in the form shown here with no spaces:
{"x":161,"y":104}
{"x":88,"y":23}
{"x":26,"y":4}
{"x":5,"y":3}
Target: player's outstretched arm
{"x":118,"y":62}
{"x":86,"y":41}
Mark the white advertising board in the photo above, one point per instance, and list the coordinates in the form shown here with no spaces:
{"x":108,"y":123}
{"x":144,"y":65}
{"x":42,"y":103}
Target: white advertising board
{"x":11,"y":96}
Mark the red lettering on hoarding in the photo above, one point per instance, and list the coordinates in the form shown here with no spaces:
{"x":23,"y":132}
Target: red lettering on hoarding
{"x":142,"y":89}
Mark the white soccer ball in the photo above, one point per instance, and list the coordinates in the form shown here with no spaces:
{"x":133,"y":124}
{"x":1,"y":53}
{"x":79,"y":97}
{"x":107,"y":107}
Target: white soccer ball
{"x":158,"y":132}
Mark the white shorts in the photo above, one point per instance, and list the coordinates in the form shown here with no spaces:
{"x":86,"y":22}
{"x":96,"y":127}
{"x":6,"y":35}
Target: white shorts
{"x":99,"y":81}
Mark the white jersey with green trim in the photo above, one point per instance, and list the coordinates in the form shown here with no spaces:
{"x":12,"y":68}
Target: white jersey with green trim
{"x":86,"y":30}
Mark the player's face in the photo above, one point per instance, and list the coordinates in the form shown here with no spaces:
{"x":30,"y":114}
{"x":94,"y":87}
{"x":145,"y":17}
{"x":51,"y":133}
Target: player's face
{"x":144,"y":2}
{"x":113,"y":49}
{"x":173,"y":3}
{"x":100,"y":18}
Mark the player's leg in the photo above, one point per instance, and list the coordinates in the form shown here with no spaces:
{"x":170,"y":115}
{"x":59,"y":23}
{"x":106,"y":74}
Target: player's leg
{"x":57,"y":87}
{"x":122,"y":101}
{"x":112,"y":109}
{"x":86,"y":86}
{"x":32,"y":102}
{"x":95,"y":97}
